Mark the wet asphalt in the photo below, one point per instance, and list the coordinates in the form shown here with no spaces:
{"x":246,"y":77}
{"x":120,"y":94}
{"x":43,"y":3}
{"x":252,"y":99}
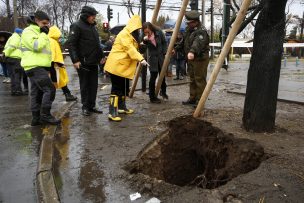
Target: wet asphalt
{"x":78,"y":173}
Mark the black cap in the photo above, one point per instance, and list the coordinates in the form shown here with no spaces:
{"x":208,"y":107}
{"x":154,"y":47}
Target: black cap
{"x":192,"y":15}
{"x":89,"y":11}
{"x":40,"y":15}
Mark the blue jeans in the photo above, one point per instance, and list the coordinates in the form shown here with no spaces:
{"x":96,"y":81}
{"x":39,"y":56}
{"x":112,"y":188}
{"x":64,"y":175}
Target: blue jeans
{"x":5,"y":69}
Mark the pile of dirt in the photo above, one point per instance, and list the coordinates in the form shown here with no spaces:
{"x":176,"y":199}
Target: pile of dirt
{"x":193,"y":152}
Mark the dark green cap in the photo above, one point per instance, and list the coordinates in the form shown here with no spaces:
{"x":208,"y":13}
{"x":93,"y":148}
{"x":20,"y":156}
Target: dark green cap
{"x":192,"y":15}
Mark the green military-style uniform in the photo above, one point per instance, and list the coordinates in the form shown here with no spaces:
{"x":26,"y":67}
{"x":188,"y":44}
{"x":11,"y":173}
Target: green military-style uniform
{"x":196,"y":42}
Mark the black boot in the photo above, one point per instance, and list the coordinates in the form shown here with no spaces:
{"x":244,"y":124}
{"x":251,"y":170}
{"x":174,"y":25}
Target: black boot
{"x":36,"y":118}
{"x":164,"y":95}
{"x":47,"y":118}
{"x":122,"y":107}
{"x":69,"y":97}
{"x":113,"y":108}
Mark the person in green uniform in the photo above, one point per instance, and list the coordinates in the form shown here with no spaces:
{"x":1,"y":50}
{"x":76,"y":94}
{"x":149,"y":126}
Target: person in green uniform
{"x":196,"y":47}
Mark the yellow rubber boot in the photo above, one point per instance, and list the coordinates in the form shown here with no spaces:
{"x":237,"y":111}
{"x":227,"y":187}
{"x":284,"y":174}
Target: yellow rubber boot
{"x":113,"y":109}
{"x":122,"y":108}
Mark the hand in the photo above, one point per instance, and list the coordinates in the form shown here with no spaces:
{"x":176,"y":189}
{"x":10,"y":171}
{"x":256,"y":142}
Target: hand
{"x":103,"y":60}
{"x":144,"y":63}
{"x":146,"y":38}
{"x":190,"y":56}
{"x":77,"y":65}
{"x":44,"y":29}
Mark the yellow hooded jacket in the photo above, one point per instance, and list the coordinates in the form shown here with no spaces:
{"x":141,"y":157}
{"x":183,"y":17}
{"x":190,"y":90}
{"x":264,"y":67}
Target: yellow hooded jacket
{"x":54,"y":35}
{"x":124,"y":55}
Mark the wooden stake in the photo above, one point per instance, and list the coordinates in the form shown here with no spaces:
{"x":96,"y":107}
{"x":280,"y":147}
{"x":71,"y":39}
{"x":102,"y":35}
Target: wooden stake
{"x":135,"y":80}
{"x":233,"y":32}
{"x":156,"y":11}
{"x":171,"y":45}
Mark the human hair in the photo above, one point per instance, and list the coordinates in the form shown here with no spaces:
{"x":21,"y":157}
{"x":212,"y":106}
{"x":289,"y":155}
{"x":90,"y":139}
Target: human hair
{"x":150,"y":26}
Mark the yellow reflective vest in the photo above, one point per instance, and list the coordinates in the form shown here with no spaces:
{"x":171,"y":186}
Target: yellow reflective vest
{"x":12,"y":47}
{"x":36,"y":50}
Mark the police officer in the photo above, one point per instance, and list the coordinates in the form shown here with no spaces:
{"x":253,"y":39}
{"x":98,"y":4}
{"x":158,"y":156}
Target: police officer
{"x":36,"y":61}
{"x":196,"y":46}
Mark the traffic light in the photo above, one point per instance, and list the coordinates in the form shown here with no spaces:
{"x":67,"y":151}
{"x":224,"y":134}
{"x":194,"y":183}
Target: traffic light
{"x":194,"y":4}
{"x":110,"y":13}
{"x":105,"y":27}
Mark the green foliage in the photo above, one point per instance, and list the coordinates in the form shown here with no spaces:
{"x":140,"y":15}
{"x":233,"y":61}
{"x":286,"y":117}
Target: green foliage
{"x":161,"y":20}
{"x":216,"y":37}
{"x":293,"y":33}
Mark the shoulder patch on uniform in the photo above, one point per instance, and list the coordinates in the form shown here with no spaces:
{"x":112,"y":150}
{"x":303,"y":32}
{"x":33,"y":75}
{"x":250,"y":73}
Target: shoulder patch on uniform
{"x":201,"y":36}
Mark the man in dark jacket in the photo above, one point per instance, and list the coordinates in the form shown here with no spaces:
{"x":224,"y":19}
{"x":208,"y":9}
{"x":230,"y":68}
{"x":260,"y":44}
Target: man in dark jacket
{"x":196,"y":46}
{"x":86,"y":53}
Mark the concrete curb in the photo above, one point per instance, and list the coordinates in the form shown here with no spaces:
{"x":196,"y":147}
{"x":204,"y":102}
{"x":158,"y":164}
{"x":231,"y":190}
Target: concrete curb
{"x":46,"y":188}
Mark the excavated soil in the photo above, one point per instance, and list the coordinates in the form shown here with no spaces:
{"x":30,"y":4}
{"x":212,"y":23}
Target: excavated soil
{"x":193,"y":152}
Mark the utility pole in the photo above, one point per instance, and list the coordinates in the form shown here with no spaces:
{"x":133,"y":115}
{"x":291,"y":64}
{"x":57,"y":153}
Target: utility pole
{"x":203,"y":12}
{"x":225,"y":26}
{"x":15,"y":14}
{"x":212,"y":30}
{"x":144,"y":68}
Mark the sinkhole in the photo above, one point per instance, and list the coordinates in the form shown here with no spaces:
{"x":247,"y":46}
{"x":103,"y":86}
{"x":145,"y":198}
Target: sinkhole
{"x":193,"y":152}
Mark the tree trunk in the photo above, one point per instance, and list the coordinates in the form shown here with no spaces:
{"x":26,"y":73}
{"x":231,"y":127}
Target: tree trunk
{"x":265,"y":65}
{"x":8,"y":8}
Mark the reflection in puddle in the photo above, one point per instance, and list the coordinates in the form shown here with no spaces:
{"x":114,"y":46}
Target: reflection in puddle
{"x":77,"y":178}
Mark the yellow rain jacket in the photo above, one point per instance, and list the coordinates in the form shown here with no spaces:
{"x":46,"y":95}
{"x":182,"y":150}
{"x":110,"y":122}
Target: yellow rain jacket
{"x":61,"y":73}
{"x":124,"y":55}
{"x":54,"y":34}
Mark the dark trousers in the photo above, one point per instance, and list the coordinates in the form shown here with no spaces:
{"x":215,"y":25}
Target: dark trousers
{"x":120,"y":85}
{"x":153,"y":76}
{"x":65,"y":90}
{"x":42,"y":89}
{"x":5,"y":69}
{"x":16,"y":74}
{"x":180,"y":67}
{"x":88,"y":79}
{"x":24,"y":78}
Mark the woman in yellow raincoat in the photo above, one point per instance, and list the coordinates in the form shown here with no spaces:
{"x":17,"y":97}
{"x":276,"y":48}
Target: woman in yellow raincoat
{"x":121,"y":65}
{"x":61,"y":79}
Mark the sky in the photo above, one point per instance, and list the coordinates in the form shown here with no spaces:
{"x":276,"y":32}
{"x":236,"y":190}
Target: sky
{"x":296,"y":8}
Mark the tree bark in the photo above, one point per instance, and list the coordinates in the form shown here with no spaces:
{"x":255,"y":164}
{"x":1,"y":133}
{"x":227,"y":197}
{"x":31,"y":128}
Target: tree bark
{"x":264,"y":70}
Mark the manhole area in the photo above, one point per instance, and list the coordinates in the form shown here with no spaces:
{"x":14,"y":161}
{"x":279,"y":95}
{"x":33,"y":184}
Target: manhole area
{"x":193,"y":152}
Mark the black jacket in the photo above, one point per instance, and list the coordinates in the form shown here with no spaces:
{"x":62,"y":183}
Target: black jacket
{"x":84,"y":43}
{"x":156,"y":54}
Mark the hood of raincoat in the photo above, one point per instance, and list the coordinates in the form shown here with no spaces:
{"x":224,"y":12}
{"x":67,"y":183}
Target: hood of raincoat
{"x":133,"y":24}
{"x":54,"y":35}
{"x":124,"y":55}
{"x":54,"y":32}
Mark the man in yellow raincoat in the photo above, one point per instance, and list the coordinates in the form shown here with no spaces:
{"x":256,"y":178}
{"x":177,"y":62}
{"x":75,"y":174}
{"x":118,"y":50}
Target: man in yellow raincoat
{"x":121,"y":65}
{"x":58,"y":63}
